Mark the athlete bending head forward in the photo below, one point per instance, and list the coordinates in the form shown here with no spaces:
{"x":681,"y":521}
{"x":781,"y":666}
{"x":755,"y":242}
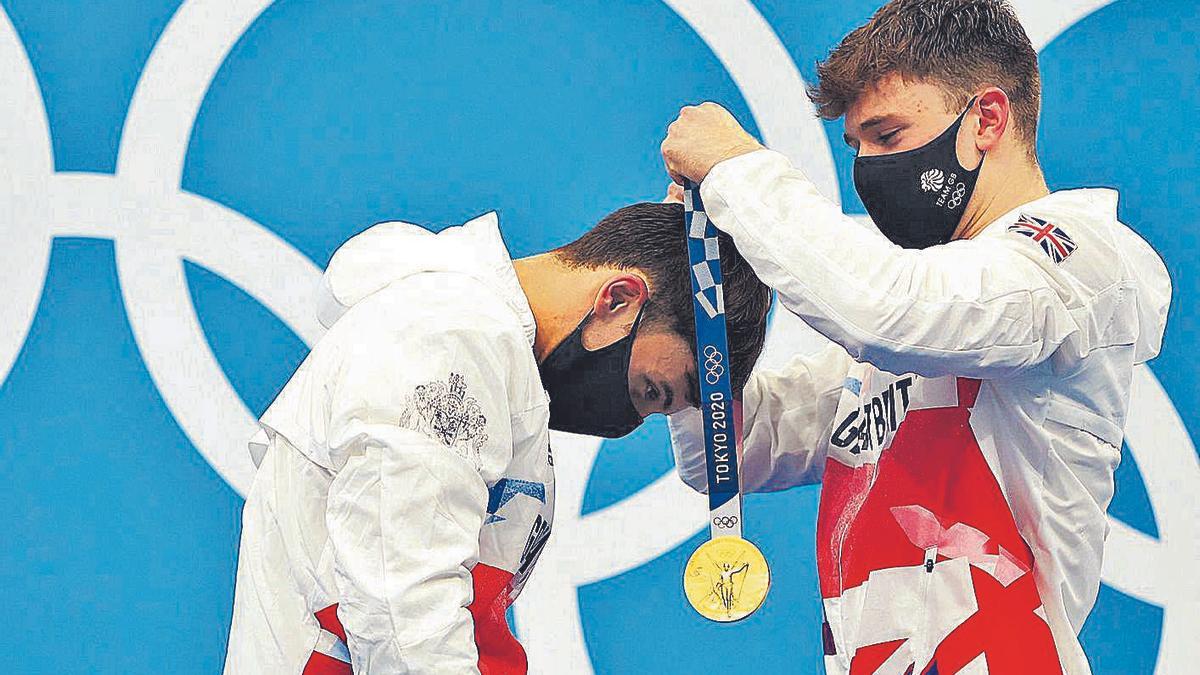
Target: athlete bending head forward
{"x":405,"y":485}
{"x":968,"y":419}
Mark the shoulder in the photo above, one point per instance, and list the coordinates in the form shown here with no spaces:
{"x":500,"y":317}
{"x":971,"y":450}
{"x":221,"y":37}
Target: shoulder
{"x":432,"y":311}
{"x":425,"y":329}
{"x":1071,"y":238}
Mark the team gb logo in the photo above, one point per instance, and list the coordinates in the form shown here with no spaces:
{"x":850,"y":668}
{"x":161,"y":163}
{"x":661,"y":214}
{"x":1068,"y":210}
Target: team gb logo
{"x":932,"y":180}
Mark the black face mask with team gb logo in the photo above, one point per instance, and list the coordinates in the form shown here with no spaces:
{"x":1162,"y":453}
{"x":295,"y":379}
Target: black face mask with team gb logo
{"x":918,"y":196}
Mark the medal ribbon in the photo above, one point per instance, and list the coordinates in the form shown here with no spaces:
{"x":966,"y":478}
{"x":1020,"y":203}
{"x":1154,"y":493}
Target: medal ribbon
{"x":712,"y":367}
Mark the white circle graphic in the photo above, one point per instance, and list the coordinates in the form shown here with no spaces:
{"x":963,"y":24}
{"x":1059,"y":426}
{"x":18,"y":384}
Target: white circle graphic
{"x":156,"y":226}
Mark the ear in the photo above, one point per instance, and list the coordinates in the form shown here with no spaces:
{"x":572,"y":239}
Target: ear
{"x":614,"y":310}
{"x":621,"y":297}
{"x":994,"y":114}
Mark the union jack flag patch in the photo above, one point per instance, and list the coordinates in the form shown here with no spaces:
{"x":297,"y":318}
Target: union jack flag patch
{"x":1049,"y":236}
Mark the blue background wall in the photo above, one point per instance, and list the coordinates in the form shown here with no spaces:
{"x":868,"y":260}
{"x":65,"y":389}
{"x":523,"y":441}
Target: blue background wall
{"x":121,"y":540}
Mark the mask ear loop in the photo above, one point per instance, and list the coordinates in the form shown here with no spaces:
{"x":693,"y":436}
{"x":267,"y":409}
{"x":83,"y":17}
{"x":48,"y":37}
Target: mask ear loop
{"x":637,"y":320}
{"x":641,"y":310}
{"x":962,"y":118}
{"x":633,"y":329}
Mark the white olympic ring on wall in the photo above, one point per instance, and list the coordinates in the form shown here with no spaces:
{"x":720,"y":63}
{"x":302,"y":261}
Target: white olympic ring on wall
{"x":155,"y":225}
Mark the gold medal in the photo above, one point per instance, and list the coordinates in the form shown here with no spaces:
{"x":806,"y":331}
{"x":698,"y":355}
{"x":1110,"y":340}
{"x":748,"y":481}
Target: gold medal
{"x":726,"y":579}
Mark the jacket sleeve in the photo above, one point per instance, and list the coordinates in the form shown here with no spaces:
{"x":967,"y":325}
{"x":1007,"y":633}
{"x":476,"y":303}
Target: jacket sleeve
{"x":421,"y":417}
{"x":784,"y":420}
{"x":984,"y":307}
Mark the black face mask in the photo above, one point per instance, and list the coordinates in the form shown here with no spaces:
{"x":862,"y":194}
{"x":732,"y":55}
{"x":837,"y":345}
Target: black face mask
{"x":589,"y":390}
{"x":917,"y":197}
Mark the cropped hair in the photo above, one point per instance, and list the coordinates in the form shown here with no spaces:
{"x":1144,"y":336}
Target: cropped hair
{"x":652,"y":238}
{"x":957,"y":45}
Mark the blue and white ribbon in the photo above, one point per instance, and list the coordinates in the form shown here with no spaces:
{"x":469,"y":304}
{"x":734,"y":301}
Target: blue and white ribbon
{"x":712,"y":366}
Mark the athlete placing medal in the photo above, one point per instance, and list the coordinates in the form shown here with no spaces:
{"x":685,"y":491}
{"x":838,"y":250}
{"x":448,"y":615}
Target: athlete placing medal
{"x":727,"y":578}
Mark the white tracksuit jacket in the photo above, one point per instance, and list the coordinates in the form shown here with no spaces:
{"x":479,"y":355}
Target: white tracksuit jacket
{"x":405,"y":485}
{"x":965,"y":424}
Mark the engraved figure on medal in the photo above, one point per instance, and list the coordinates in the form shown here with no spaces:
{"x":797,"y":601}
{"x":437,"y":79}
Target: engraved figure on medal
{"x":724,"y":586}
{"x":726,"y":579}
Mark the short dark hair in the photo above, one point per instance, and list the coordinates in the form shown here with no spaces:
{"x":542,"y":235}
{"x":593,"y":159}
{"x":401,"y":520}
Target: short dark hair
{"x":651,"y":238}
{"x":959,"y":45}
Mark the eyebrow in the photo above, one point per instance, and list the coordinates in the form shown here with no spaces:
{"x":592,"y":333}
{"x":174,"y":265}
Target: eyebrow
{"x":874,"y":121}
{"x":871,"y":122}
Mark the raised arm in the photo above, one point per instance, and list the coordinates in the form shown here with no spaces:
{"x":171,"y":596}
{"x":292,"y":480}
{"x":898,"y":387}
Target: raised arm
{"x":985,"y":307}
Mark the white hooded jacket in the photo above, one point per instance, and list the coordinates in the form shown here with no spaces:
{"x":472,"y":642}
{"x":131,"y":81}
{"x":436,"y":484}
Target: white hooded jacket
{"x":965,"y":424}
{"x":405,"y":485}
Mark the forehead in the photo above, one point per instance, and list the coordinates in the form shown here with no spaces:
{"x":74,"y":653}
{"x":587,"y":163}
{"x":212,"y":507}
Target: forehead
{"x":895,"y":96}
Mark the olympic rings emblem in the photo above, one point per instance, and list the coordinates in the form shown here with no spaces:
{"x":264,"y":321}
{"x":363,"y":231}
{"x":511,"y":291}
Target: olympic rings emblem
{"x":713,"y":368}
{"x":725,"y":522}
{"x":960,"y":191}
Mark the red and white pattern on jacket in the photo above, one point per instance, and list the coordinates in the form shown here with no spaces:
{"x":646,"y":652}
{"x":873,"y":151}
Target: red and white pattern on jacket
{"x":499,"y":651}
{"x":921,"y":565}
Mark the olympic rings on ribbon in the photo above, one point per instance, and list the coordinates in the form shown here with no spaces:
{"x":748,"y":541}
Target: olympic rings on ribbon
{"x":712,"y":364}
{"x":725,"y":522}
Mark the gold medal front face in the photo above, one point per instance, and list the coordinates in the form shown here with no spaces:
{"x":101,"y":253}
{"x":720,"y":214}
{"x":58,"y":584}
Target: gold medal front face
{"x":726,"y":579}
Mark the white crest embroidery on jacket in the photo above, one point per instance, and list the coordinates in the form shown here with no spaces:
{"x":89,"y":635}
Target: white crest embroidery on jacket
{"x":443,"y":411}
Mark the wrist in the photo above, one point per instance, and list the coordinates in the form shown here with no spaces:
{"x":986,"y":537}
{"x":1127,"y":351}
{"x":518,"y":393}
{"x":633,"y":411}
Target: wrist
{"x":732,"y":153}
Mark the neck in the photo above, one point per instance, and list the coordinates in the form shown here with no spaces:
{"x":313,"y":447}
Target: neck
{"x":559,"y":295}
{"x":1007,"y":185}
